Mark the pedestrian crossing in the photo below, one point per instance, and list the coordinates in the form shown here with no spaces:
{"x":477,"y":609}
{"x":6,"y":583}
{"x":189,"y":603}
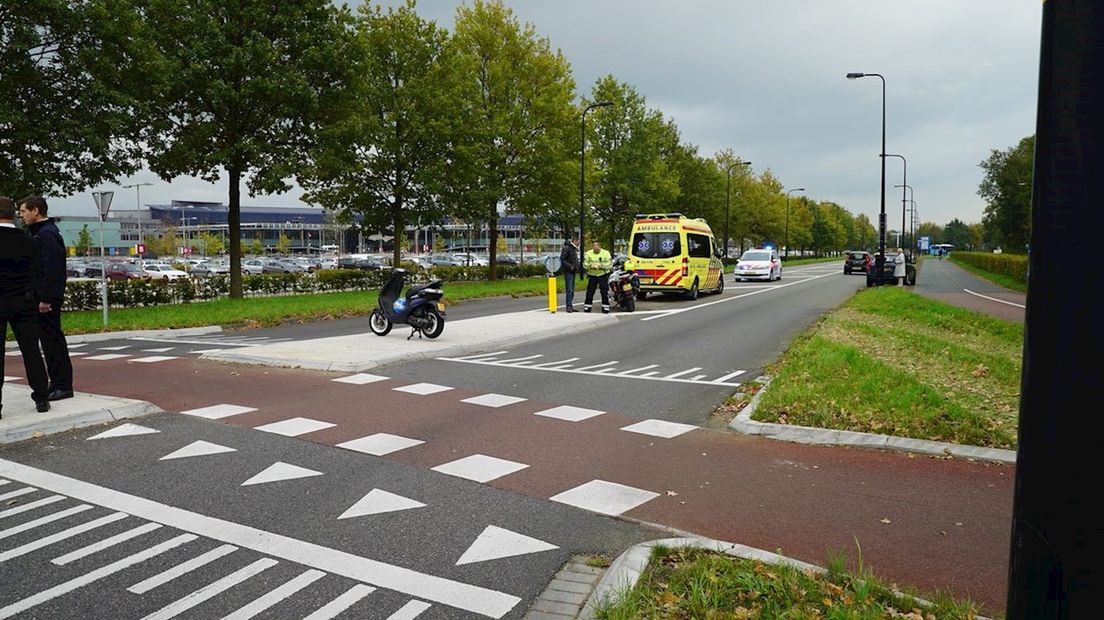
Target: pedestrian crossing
{"x":177,"y":561}
{"x":608,"y":368}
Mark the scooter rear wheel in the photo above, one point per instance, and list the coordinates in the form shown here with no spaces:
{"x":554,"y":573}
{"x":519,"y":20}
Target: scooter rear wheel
{"x":379,"y":323}
{"x":436,"y":323}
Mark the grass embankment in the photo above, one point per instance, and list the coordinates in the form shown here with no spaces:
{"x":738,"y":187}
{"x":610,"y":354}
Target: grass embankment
{"x":267,"y":311}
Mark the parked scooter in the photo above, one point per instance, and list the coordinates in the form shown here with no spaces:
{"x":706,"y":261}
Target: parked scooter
{"x":624,"y":285}
{"x":420,"y":308}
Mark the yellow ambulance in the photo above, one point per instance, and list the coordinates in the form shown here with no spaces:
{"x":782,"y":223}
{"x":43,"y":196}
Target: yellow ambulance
{"x":675,"y":254}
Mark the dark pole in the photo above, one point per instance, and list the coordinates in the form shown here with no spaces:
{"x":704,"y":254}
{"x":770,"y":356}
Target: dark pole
{"x":903,"y":187}
{"x":1054,"y":562}
{"x":880,"y":259}
{"x":582,"y":165}
{"x":728,"y":196}
{"x":904,"y":180}
{"x":796,"y":189}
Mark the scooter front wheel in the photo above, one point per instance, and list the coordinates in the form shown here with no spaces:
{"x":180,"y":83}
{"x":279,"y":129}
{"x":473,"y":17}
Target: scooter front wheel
{"x":436,"y":323}
{"x":379,"y":323}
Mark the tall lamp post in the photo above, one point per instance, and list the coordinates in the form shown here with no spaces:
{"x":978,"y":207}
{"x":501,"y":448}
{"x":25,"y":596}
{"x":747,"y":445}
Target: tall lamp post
{"x":788,"y":192}
{"x":880,"y":259}
{"x":903,"y":187}
{"x":103,"y":204}
{"x":904,"y":180}
{"x":138,"y":203}
{"x":582,"y":164}
{"x":728,"y":197}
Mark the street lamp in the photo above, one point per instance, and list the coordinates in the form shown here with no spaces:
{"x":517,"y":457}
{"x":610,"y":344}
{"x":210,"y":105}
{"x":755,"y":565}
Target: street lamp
{"x":582,"y":164}
{"x":728,"y":195}
{"x":903,"y":187}
{"x":904,"y":181}
{"x":138,"y":203}
{"x":880,"y":259}
{"x":796,"y":189}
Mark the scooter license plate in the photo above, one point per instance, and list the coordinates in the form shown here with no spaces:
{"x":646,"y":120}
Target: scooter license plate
{"x":626,"y":287}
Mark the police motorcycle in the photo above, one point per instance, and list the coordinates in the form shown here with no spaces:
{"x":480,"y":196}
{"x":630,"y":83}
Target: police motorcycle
{"x":421,"y":308}
{"x":624,"y":285}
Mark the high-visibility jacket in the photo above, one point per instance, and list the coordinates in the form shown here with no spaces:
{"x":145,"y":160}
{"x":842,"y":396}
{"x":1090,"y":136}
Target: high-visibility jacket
{"x":597,"y":263}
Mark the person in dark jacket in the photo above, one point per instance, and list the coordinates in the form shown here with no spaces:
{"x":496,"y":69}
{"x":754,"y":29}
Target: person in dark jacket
{"x":569,"y":263}
{"x":51,"y":246}
{"x":20,"y":287}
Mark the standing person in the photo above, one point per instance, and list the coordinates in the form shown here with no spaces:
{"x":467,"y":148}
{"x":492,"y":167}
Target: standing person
{"x":51,"y":246}
{"x":597,"y":263}
{"x":899,"y":266}
{"x":569,"y":262}
{"x":20,"y":287}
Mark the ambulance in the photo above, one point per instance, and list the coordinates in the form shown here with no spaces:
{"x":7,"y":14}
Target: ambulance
{"x":675,"y":254}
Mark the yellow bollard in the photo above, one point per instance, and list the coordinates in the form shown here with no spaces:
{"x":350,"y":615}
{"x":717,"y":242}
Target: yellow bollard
{"x":552,"y":294}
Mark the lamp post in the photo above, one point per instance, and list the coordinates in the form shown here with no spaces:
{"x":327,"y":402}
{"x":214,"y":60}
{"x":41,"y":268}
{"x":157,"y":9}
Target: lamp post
{"x":138,"y":203}
{"x":796,"y":189}
{"x":903,"y":187}
{"x":103,"y":204}
{"x":904,"y":180}
{"x":582,"y":163}
{"x":728,"y":195}
{"x":880,"y":259}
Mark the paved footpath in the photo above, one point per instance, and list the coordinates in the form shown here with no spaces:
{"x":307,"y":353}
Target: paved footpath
{"x":929,"y":522}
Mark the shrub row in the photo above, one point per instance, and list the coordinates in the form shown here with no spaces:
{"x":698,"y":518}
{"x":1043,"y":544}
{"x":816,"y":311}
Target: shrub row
{"x":1012,"y":265}
{"x":86,"y":294}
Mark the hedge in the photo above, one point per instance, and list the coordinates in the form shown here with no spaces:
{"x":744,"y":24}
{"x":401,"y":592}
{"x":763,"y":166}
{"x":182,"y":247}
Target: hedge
{"x":1012,"y":265}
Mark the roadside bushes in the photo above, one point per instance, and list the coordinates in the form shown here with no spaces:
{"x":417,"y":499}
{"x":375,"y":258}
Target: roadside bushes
{"x":1012,"y":265}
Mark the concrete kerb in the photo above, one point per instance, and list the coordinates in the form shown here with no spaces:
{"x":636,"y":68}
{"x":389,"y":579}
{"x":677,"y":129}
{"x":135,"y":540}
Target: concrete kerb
{"x":21,"y":421}
{"x":809,"y":435}
{"x":148,"y":333}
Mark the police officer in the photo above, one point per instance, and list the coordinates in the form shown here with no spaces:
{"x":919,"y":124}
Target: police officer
{"x":597,"y":263}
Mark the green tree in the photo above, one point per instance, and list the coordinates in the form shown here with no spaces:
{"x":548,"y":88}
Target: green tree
{"x":1006,"y":188}
{"x":385,"y":160}
{"x":84,"y":241}
{"x":957,"y":233}
{"x":517,"y":120}
{"x":246,"y":85}
{"x":66,"y":118}
{"x":283,"y":244}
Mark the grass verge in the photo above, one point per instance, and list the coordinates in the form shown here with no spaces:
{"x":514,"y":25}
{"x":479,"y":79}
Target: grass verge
{"x":697,"y":583}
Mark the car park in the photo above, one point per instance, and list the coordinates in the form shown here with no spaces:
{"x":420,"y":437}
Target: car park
{"x":759,"y":264}
{"x":857,"y":260}
{"x":161,"y":271}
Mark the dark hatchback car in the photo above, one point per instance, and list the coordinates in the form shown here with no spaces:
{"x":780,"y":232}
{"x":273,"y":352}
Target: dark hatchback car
{"x":857,"y":260}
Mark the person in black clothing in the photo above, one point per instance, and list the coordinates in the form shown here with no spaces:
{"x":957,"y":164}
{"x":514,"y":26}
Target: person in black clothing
{"x":51,"y":247}
{"x":20,"y":286}
{"x":569,"y":262}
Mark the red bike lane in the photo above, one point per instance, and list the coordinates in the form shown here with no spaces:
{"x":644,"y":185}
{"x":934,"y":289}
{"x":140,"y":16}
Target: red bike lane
{"x":930,"y":523}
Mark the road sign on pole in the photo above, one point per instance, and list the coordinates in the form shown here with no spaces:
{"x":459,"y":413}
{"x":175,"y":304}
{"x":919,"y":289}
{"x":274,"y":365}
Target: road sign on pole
{"x":103,"y":203}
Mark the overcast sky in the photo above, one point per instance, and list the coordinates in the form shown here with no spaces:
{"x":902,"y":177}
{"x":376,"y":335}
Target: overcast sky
{"x":767,"y":80}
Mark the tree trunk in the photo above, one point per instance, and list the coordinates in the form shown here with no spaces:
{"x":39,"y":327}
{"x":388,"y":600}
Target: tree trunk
{"x":234,"y":221}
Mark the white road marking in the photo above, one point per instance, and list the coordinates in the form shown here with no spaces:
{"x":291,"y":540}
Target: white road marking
{"x":605,"y":369}
{"x":659,"y":428}
{"x":152,"y":359}
{"x":294,"y":427}
{"x":380,"y":444}
{"x":520,"y":359}
{"x":124,"y":430}
{"x":50,"y":518}
{"x":181,"y":569}
{"x":76,"y":530}
{"x":87,"y":578}
{"x":17,"y":493}
{"x":107,"y":356}
{"x":608,"y":498}
{"x":3,"y":482}
{"x":114,"y":348}
{"x":31,"y":506}
{"x":197,"y":448}
{"x":495,"y":542}
{"x":493,"y":400}
{"x":360,"y":379}
{"x":161,"y":350}
{"x":729,"y":376}
{"x":480,"y":468}
{"x":483,"y":355}
{"x":378,"y":501}
{"x":464,"y":596}
{"x":422,"y":389}
{"x":411,"y":610}
{"x":335,"y":607}
{"x":227,"y":342}
{"x":211,"y":590}
{"x":273,"y":597}
{"x":734,"y":297}
{"x":634,"y":370}
{"x":585,"y":368}
{"x":105,"y":543}
{"x":569,"y":413}
{"x":78,"y":345}
{"x":1010,"y":303}
{"x":215,"y":412}
{"x":278,"y":472}
{"x":556,"y":364}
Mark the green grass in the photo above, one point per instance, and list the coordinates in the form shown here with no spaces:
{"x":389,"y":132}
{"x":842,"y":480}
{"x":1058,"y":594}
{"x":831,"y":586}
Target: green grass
{"x":267,"y":311}
{"x":697,"y":583}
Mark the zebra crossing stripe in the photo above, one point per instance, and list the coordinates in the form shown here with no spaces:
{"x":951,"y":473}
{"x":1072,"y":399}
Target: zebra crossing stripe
{"x":338,"y":605}
{"x":181,"y":569}
{"x":35,"y":545}
{"x":211,"y":590}
{"x":273,"y":597}
{"x":105,"y":543}
{"x":31,"y":506}
{"x":50,"y":518}
{"x":78,"y":582}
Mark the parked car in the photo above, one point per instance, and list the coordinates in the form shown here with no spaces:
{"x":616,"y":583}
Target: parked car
{"x":365,"y":263}
{"x":467,"y":259}
{"x":76,"y":268}
{"x":444,"y":260}
{"x":126,"y":271}
{"x":857,"y":260}
{"x":161,"y":271}
{"x":210,"y":269}
{"x":278,"y":266}
{"x":253,"y":266}
{"x":507,"y":259}
{"x":759,"y":264}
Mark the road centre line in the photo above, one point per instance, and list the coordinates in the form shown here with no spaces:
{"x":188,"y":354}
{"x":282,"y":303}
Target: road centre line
{"x":728,"y":299}
{"x":597,"y":373}
{"x":1010,"y":303}
{"x":464,"y":596}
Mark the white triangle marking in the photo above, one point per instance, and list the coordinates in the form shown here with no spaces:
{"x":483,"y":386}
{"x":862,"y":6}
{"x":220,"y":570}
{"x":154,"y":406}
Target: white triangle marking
{"x":281,"y":471}
{"x":379,"y":501}
{"x":197,"y":448}
{"x":124,"y":430}
{"x":495,"y":543}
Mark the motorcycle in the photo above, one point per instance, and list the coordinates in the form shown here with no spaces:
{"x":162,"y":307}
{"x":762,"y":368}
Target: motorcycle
{"x":421,"y":308}
{"x":624,"y":286}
